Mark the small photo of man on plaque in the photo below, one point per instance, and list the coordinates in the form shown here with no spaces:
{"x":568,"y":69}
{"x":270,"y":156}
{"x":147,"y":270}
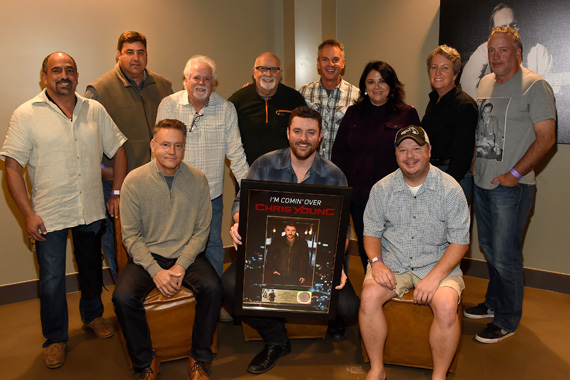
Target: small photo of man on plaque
{"x":287,"y":260}
{"x":289,"y":256}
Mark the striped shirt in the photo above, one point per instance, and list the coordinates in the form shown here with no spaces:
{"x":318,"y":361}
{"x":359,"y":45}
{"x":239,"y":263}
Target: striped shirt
{"x":215,"y":136}
{"x":331,"y":107}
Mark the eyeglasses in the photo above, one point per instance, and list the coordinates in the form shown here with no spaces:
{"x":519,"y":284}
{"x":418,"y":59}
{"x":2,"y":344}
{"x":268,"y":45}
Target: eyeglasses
{"x":195,"y":121}
{"x":264,"y":69}
{"x":197,"y":117}
{"x":166,"y":145}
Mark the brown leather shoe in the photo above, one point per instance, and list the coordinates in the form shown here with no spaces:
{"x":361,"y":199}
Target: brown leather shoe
{"x":54,"y":355}
{"x":197,"y":370}
{"x":101,"y":327}
{"x":151,"y":372}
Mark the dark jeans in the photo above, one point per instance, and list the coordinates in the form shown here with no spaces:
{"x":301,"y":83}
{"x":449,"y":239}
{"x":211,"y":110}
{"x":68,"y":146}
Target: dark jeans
{"x":272,"y":330}
{"x":108,"y":240}
{"x":51,"y":260}
{"x":215,"y":248}
{"x":502,"y":214}
{"x":135,"y":283}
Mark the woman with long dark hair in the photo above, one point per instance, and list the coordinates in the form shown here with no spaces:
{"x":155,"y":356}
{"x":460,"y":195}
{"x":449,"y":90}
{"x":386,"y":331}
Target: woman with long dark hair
{"x":364,"y":144}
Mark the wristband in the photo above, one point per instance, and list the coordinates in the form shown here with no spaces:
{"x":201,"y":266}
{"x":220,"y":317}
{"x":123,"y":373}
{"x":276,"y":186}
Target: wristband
{"x":515,"y":173}
{"x":116,"y":192}
{"x":102,"y":166}
{"x":377,"y":258}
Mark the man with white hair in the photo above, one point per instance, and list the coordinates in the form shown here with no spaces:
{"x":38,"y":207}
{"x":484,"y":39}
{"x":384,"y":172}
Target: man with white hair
{"x":213,"y":136}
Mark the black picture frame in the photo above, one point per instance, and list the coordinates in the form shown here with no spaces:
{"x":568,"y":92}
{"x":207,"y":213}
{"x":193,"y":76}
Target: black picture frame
{"x":320,"y":216}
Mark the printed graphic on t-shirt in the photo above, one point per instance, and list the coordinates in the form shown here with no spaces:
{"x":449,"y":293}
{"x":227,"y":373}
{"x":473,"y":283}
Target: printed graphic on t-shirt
{"x":491,"y":128}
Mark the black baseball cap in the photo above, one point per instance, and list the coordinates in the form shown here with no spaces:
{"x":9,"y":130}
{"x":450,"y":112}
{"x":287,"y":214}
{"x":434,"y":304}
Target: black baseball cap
{"x":412,"y":132}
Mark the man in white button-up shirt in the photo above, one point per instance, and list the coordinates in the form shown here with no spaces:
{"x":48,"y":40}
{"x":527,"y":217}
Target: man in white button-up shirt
{"x":61,"y":137}
{"x":213,"y":136}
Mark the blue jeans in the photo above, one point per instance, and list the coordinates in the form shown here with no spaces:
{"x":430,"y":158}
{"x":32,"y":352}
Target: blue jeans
{"x":51,"y":259}
{"x":215,"y":248}
{"x":108,"y":240}
{"x":502,"y":214}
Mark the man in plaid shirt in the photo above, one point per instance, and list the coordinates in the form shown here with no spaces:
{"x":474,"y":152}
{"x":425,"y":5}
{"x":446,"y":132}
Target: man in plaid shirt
{"x":213,"y":136}
{"x":331,"y":95}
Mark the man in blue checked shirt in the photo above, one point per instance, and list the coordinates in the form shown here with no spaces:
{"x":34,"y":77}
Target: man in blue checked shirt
{"x":416,"y":231}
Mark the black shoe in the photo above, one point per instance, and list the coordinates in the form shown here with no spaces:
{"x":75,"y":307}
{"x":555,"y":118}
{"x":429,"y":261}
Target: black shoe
{"x":478,"y":312}
{"x":267,"y":358}
{"x":492,"y":334}
{"x":336,"y":330}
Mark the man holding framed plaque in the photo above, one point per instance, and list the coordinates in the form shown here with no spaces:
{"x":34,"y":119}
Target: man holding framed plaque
{"x":300,"y":163}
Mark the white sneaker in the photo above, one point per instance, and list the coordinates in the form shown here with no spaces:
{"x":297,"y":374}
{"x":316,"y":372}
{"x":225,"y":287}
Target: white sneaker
{"x":225,"y":316}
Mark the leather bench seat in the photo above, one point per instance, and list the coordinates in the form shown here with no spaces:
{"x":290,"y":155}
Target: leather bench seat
{"x":407,"y":343}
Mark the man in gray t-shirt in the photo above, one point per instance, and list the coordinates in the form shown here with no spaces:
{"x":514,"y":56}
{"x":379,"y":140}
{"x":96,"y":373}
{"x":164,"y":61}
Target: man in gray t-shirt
{"x":504,"y":184}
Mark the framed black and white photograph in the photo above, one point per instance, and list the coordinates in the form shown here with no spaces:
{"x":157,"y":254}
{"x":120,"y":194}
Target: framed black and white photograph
{"x":544,"y":27}
{"x":294,"y":239}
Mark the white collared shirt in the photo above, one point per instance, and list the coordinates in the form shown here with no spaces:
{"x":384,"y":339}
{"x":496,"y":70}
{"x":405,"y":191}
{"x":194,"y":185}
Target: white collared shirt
{"x":63,"y":157}
{"x":215,"y":137}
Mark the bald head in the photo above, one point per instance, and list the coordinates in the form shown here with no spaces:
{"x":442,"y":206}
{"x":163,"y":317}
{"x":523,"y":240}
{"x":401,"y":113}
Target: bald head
{"x":59,"y":54}
{"x":267,"y":73}
{"x":267,"y":57}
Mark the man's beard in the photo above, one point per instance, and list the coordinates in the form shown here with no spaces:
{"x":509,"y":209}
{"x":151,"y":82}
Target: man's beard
{"x":267,"y":85}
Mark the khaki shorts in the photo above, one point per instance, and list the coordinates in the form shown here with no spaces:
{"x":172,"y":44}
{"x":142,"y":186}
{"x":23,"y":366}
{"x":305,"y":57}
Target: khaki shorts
{"x":408,"y":280}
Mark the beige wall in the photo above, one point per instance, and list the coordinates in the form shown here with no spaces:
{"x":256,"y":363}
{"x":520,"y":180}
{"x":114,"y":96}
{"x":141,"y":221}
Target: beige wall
{"x":233,"y":33}
{"x":401,"y":33}
{"x":176,"y":30}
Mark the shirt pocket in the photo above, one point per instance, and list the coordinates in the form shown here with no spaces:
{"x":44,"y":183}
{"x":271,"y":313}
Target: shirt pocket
{"x":434,"y":228}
